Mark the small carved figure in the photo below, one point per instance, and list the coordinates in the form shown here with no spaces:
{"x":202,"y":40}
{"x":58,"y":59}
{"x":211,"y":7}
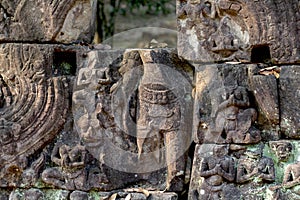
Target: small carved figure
{"x":256,"y":168}
{"x":103,"y":109}
{"x":234,"y":118}
{"x":74,"y":171}
{"x":220,"y":30}
{"x":30,"y":175}
{"x":217,"y":170}
{"x":282,"y":149}
{"x":71,"y":174}
{"x":291,"y":179}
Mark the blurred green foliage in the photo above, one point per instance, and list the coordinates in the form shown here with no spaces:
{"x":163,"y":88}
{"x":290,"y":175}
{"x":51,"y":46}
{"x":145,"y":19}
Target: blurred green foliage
{"x":150,"y":6}
{"x":107,"y":10}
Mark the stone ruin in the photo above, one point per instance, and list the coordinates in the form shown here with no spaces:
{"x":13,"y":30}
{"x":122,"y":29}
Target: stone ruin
{"x":216,"y":118}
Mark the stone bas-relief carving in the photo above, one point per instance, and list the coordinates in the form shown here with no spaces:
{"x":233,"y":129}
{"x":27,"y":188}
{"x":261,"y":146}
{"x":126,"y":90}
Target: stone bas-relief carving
{"x":254,"y":173}
{"x":56,"y":21}
{"x":254,"y":168}
{"x":38,"y":194}
{"x":287,"y":167}
{"x":33,"y":106}
{"x":137,"y":110}
{"x":230,"y":172}
{"x":225,"y":108}
{"x":132,"y":110}
{"x":234,"y":118}
{"x":75,"y":170}
{"x":228,"y":30}
{"x":282,"y":149}
{"x":217,"y":170}
{"x":290,"y":186}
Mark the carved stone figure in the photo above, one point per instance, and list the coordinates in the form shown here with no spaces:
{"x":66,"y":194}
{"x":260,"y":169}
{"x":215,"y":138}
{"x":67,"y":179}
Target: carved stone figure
{"x":252,"y":167}
{"x":136,"y":108}
{"x":71,"y":174}
{"x":75,"y":170}
{"x":219,"y":31}
{"x":218,"y":170}
{"x":234,"y":118}
{"x":291,"y":179}
{"x":282,"y":149}
{"x":159,"y":115}
{"x":222,"y":30}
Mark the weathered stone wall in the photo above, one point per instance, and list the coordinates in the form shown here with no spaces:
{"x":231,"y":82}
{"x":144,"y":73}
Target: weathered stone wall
{"x":246,"y":121}
{"x":59,"y":21}
{"x":218,"y":118}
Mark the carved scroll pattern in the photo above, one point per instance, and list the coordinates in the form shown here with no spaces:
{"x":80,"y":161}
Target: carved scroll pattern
{"x":33,"y":104}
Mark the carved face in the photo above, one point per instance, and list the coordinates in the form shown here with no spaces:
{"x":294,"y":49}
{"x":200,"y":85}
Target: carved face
{"x":220,"y":150}
{"x":282,"y":149}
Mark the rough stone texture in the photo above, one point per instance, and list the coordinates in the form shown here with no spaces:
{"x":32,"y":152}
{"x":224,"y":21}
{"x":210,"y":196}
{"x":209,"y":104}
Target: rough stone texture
{"x":265,"y":90}
{"x":132,"y":113}
{"x":33,"y":108}
{"x":77,"y":122}
{"x":228,"y":109}
{"x":267,"y":170}
{"x":227,"y":30}
{"x":289,"y":89}
{"x":64,"y":21}
{"x":38,"y":194}
{"x":261,"y":171}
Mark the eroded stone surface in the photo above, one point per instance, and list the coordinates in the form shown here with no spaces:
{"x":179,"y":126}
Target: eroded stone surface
{"x":230,"y":172}
{"x":262,"y":171}
{"x":225,"y":105}
{"x":33,"y":108}
{"x":289,"y":89}
{"x":132,"y":112}
{"x":226,"y":30}
{"x":47,"y":21}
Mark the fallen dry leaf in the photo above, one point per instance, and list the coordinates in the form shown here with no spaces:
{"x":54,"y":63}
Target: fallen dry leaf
{"x":113,"y":197}
{"x":270,"y":71}
{"x":128,"y":197}
{"x":140,"y":190}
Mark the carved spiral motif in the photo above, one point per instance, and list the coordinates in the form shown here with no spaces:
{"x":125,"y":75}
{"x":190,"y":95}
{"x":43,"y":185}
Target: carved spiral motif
{"x":33,"y":105}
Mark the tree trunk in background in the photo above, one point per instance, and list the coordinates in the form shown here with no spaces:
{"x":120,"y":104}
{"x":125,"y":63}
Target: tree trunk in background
{"x":106,"y":16}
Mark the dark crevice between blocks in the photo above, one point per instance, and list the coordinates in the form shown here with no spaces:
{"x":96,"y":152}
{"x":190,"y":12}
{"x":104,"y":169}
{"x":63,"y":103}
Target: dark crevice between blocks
{"x":190,"y":153}
{"x":64,"y":63}
{"x":261,"y":54}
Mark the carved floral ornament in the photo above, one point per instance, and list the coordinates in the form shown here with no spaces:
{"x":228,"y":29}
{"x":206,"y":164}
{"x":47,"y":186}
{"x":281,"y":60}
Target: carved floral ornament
{"x":30,"y":101}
